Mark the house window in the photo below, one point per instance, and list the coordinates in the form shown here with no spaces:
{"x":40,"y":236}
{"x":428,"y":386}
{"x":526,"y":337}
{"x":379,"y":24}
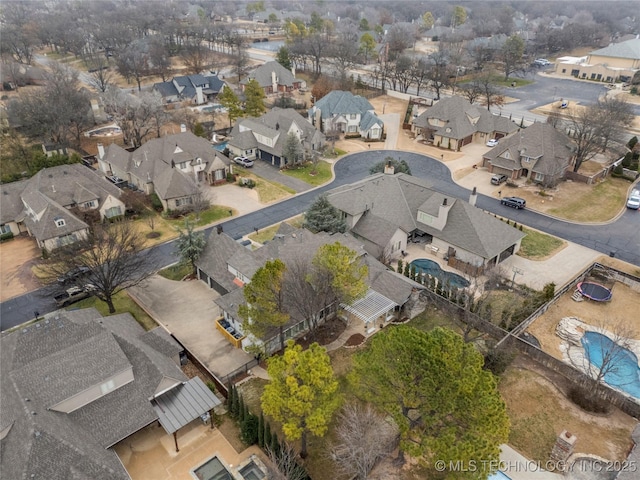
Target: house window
{"x":182,"y":165}
{"x":113,"y":212}
{"x":539,"y":177}
{"x":353,"y":116}
{"x":66,"y":239}
{"x":59,"y":222}
{"x":564,"y":70}
{"x":4,"y":229}
{"x":352,"y":129}
{"x":183,"y":201}
{"x":90,"y":204}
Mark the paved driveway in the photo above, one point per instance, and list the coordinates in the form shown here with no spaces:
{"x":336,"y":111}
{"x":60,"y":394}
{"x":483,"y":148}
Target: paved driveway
{"x":186,"y":310}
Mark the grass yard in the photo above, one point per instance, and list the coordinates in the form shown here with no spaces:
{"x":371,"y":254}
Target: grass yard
{"x":123,"y":304}
{"x":267,"y":191}
{"x":334,"y":153}
{"x":206,"y":217}
{"x":321,"y":176}
{"x":176,"y":272}
{"x":598,"y":203}
{"x":538,"y":246}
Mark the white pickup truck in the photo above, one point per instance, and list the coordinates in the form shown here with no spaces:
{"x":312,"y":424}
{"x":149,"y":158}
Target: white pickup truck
{"x":74,"y":294}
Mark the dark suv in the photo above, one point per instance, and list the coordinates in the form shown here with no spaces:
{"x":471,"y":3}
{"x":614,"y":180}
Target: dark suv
{"x":514,"y":202}
{"x":73,"y":275}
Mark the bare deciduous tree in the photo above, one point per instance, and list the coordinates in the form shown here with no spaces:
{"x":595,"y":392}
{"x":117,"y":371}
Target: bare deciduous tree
{"x":364,"y":437}
{"x":283,"y":464}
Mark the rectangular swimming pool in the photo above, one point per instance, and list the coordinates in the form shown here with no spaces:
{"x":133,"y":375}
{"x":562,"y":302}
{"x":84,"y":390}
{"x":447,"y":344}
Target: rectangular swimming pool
{"x":213,"y":469}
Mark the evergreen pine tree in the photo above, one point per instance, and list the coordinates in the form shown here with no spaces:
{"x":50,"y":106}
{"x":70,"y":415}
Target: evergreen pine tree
{"x":241,"y":409}
{"x":261,"y":430}
{"x":235,"y":403}
{"x":275,"y":445}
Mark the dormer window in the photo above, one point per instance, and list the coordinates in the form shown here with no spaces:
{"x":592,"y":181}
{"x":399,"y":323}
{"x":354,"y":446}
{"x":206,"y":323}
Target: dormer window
{"x":59,"y":222}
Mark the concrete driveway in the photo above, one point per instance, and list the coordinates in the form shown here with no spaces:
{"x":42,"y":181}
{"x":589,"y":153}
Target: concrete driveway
{"x":187,"y":311}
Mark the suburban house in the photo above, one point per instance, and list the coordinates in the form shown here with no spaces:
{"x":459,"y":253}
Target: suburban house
{"x":75,"y":384}
{"x":41,"y":206}
{"x":386,"y":211}
{"x":172,"y":167}
{"x":274,"y":78}
{"x":264,"y":138}
{"x":539,"y":153}
{"x":227,"y":266}
{"x":346,"y":113}
{"x":454,"y":122}
{"x":196,"y":89}
{"x":616,"y":63}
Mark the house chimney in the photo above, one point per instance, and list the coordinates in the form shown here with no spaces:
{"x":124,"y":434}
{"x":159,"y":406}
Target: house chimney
{"x":293,"y":71}
{"x":53,"y":188}
{"x":274,"y":82}
{"x":389,"y":169}
{"x":443,"y":213}
{"x":183,"y":128}
{"x":100,"y":151}
{"x":473,"y":197}
{"x":219,"y":229}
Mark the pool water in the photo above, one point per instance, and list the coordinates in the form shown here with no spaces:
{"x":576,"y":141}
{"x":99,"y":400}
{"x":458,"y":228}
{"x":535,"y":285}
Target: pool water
{"x":499,"y":476}
{"x":221,"y":146}
{"x":622,"y":370}
{"x":430,"y":267}
{"x":212,"y":470}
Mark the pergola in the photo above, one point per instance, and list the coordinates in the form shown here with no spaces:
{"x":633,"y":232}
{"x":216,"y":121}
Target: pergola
{"x":370,"y":307}
{"x":182,"y":404}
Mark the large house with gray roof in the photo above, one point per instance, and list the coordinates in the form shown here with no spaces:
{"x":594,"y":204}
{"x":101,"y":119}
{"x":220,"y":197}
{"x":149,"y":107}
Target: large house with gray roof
{"x":385,"y":212}
{"x":227,"y":266}
{"x":264,"y":138}
{"x":539,"y":153}
{"x":343,"y":112}
{"x":172,"y":167}
{"x":195,"y":89}
{"x":274,"y":78}
{"x":617,"y":62}
{"x":75,"y":384}
{"x":42,"y":205}
{"x":454,"y":122}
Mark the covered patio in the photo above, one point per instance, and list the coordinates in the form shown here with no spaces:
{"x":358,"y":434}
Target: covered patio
{"x":371,"y":307}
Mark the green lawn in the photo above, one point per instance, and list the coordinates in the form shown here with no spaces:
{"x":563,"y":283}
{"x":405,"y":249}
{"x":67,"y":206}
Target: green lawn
{"x":306,"y":173}
{"x":538,"y":245}
{"x":123,"y":304}
{"x":176,"y":272}
{"x":335,"y":153}
{"x":205,"y":217}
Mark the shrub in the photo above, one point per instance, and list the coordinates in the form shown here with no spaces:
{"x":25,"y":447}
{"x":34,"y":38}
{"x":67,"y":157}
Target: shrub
{"x":632,"y":142}
{"x":497,"y":360}
{"x":155,"y":202}
{"x":249,"y":429}
{"x":248,"y":183}
{"x":231,"y":177}
{"x":587,"y":400}
{"x":6,"y":236}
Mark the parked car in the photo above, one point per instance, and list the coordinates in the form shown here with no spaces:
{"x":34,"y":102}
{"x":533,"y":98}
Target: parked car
{"x":541,"y":62}
{"x":117,"y":181}
{"x":73,"y":275}
{"x":498,"y":179}
{"x":243,"y":161}
{"x":514,"y":202}
{"x":564,"y":104}
{"x":634,"y":200}
{"x":492,"y":143}
{"x":74,"y":294}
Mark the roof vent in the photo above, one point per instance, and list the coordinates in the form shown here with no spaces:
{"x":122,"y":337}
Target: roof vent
{"x":444,"y":202}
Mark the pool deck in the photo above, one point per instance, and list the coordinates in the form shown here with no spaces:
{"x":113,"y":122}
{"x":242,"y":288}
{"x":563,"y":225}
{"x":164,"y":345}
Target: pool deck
{"x":518,"y":467}
{"x":151,"y":454}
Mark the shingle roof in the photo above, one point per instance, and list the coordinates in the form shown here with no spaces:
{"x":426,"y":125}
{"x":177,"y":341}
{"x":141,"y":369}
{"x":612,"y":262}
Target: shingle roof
{"x":463,"y":119}
{"x":210,"y":85}
{"x":397,"y":198}
{"x":550,"y":148}
{"x":219,"y":249}
{"x":10,"y":200}
{"x":263,"y":75}
{"x":339,"y":102}
{"x":57,"y":357}
{"x":628,"y":49}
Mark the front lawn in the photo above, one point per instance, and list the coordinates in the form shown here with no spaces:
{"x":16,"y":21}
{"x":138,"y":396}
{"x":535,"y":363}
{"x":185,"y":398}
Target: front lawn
{"x":319,"y":175}
{"x":597,"y":203}
{"x":123,"y":304}
{"x":206,"y":217}
{"x":176,"y":272}
{"x":537,"y":245}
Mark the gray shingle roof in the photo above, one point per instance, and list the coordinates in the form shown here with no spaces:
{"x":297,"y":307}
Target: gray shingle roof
{"x":263,"y":75}
{"x":397,"y":198}
{"x":628,"y":49}
{"x":213,"y":260}
{"x":53,"y":358}
{"x":551,"y":150}
{"x":10,"y":200}
{"x":210,"y":85}
{"x":463,"y":119}
{"x":339,"y":102}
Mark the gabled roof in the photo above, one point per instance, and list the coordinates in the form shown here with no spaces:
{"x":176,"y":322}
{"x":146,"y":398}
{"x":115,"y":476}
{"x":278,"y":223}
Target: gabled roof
{"x":209,"y":84}
{"x":11,"y":201}
{"x":263,"y":76}
{"x":462,"y":119}
{"x":213,"y":260}
{"x":338,"y":102}
{"x":551,"y":149}
{"x":629,"y":49}
{"x":396,"y":199}
{"x":368,"y":120}
{"x":66,"y":353}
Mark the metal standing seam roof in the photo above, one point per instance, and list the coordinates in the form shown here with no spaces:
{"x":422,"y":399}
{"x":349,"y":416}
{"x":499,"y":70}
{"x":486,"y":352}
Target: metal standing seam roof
{"x":179,"y":406}
{"x":370,"y":307}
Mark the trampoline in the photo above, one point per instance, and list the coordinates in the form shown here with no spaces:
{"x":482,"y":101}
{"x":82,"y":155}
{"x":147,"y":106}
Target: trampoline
{"x":595,"y":291}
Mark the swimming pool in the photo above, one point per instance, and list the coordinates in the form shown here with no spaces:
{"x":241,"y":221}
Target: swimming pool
{"x":499,"y":476}
{"x":251,"y":471}
{"x":213,"y":469}
{"x":430,"y":267}
{"x":221,"y":146}
{"x":621,"y":368}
